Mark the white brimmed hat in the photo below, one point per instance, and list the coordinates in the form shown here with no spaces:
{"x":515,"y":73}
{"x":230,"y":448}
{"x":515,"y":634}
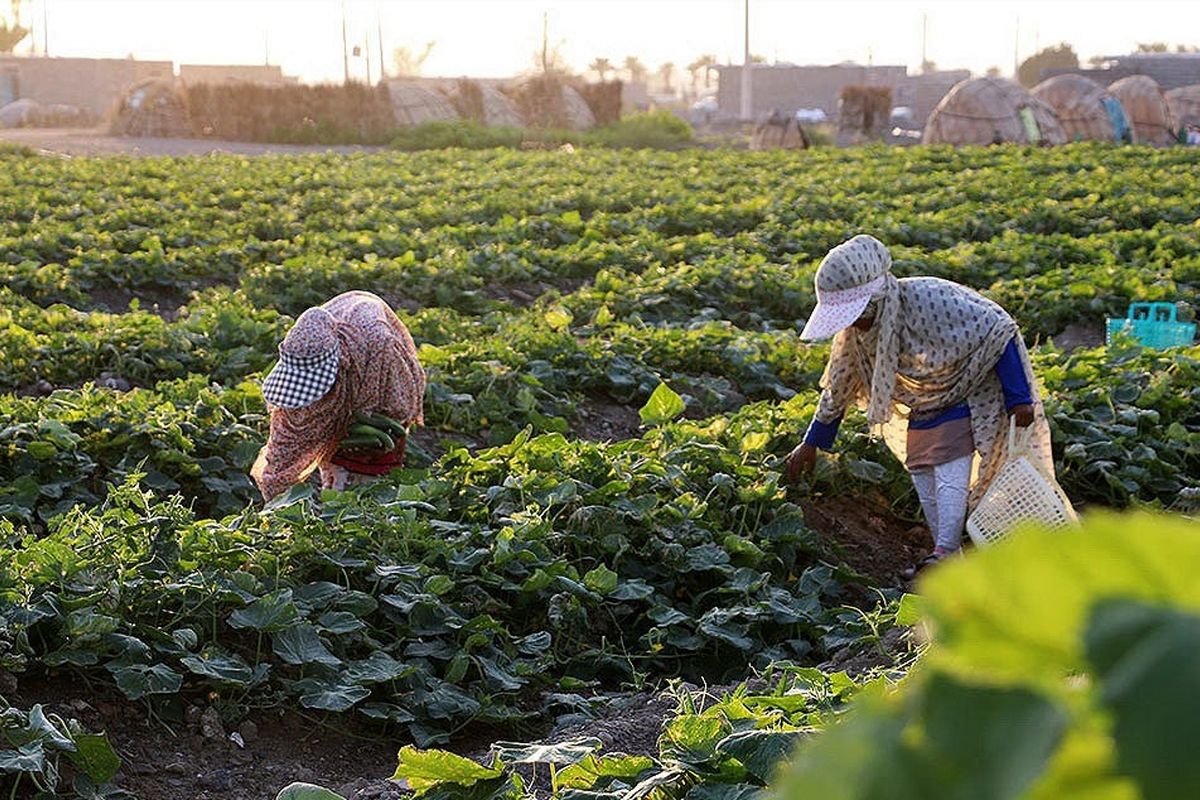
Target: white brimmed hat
{"x":847,"y":279}
{"x":308,"y":362}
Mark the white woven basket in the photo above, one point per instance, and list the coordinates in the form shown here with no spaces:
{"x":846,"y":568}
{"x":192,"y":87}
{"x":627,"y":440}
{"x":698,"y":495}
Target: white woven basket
{"x":1020,"y":495}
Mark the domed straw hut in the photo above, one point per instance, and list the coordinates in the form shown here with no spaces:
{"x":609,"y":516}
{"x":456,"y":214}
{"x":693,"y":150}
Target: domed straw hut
{"x":579,"y":113}
{"x":1085,"y":109}
{"x":545,"y":101}
{"x":1147,"y":109}
{"x":1184,"y":103}
{"x":484,"y":104}
{"x":778,"y":132}
{"x":151,"y":107}
{"x":413,"y":104}
{"x":992,"y":111}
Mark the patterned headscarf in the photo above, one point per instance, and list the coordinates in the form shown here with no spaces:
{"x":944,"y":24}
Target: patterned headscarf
{"x":378,"y":371}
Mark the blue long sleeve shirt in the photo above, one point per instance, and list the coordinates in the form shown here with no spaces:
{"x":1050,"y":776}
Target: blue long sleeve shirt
{"x":1013,"y":383}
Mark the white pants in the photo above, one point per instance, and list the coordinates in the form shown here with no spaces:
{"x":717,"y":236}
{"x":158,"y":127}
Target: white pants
{"x":943,"y":492}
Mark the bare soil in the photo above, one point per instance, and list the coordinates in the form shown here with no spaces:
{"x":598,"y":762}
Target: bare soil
{"x":599,"y":419}
{"x":867,"y":536}
{"x":1074,"y":337}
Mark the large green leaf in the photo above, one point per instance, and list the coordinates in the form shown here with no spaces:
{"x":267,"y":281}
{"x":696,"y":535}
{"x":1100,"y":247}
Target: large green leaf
{"x":592,"y":770}
{"x":273,"y":612}
{"x":425,"y":769}
{"x":760,"y":751}
{"x":95,"y":757}
{"x":300,"y":645}
{"x":987,"y":743}
{"x":562,"y":753}
{"x":1148,"y":660}
{"x":138,"y":680}
{"x":663,"y":406}
{"x":219,"y":666}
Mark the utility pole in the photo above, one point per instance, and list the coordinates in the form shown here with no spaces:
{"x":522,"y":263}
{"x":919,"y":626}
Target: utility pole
{"x":379,"y":30}
{"x":747,"y":106}
{"x":545,"y":41}
{"x":924,"y":40}
{"x":45,"y":28}
{"x":367,"y":55}
{"x":1016,"y":49}
{"x":345,"y":47}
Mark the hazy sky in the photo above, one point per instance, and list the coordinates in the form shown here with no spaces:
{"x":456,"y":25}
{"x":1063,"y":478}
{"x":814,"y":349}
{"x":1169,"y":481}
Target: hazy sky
{"x":494,"y":38}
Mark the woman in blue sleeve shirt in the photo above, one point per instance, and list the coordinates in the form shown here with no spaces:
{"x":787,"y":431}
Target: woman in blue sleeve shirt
{"x":937,"y":367}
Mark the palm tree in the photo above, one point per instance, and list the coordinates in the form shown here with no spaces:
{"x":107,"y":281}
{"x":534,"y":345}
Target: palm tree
{"x":709,"y":62}
{"x":601,"y":66}
{"x":11,"y":36}
{"x":665,"y":71}
{"x":635,"y":69}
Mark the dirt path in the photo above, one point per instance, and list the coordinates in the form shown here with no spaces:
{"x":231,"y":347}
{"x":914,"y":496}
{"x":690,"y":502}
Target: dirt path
{"x":77,"y":142}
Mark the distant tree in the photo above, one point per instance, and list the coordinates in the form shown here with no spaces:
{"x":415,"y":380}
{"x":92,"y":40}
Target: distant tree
{"x":1097,"y":61}
{"x":665,"y":73}
{"x":635,"y":69}
{"x":11,"y":35}
{"x":757,"y":59}
{"x":1152,"y":47}
{"x":601,"y":66}
{"x":407,"y":63}
{"x":1061,"y":56}
{"x":1187,"y":48}
{"x":707,"y":62}
{"x":993,"y":72}
{"x":928,"y":66}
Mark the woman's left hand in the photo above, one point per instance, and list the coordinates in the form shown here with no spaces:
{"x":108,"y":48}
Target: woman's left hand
{"x":1023,"y":415}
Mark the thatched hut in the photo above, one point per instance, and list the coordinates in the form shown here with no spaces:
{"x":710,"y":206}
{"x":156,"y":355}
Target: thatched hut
{"x":992,"y":111}
{"x":1184,"y":103}
{"x":151,"y":107}
{"x":413,"y":104}
{"x":546,"y":101}
{"x":1147,"y":109}
{"x":484,"y":104}
{"x":579,"y":113}
{"x":778,"y":132}
{"x":1085,"y":109}
{"x":864,"y":113}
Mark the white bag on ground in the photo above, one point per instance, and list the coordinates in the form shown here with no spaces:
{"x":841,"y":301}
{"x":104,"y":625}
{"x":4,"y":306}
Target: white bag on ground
{"x":1021,"y":494}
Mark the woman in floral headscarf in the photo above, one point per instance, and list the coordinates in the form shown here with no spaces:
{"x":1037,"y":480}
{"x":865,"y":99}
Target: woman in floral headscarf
{"x":350,"y":355}
{"x":937,"y":367}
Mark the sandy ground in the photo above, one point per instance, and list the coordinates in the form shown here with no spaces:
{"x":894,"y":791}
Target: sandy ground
{"x":78,"y":142}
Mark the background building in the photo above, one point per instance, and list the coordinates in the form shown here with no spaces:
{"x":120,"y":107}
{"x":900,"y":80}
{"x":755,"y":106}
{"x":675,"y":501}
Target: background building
{"x":88,"y":83}
{"x":1169,"y":70}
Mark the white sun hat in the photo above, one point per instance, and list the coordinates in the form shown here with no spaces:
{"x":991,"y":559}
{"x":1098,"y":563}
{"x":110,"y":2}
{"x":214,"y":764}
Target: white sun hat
{"x":308,"y":362}
{"x":847,"y":279}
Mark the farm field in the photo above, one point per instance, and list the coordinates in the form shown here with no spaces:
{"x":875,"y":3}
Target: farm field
{"x":596,"y":505}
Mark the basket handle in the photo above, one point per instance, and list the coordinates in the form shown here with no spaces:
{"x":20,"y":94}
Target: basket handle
{"x":1018,"y":444}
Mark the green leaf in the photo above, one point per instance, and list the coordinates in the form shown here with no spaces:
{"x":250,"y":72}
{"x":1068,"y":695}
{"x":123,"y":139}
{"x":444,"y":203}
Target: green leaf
{"x":306,"y":791}
{"x":909,"y":611}
{"x":601,"y":580}
{"x":693,"y":738}
{"x":425,"y":769}
{"x":138,"y":680}
{"x":95,"y":757}
{"x":1148,"y":660}
{"x":663,"y":406}
{"x":558,"y":318}
{"x":378,"y":667}
{"x":271,"y":612}
{"x":26,"y":758}
{"x":988,"y":743}
{"x":753,"y":442}
{"x":760,"y":751}
{"x":590,"y":771}
{"x":439,"y":584}
{"x":219,"y":666}
{"x":571,"y":752}
{"x":300,"y":644}
{"x":335,"y":697}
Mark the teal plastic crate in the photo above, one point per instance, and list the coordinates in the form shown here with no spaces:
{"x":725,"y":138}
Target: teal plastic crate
{"x":1154,"y":325}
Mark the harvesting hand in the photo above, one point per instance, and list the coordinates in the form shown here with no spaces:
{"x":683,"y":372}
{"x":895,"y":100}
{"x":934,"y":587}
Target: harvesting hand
{"x":801,"y":461}
{"x":1023,"y":414}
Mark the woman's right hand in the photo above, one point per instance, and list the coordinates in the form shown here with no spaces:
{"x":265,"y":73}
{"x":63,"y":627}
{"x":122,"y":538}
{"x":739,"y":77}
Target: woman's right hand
{"x":800,"y":461}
